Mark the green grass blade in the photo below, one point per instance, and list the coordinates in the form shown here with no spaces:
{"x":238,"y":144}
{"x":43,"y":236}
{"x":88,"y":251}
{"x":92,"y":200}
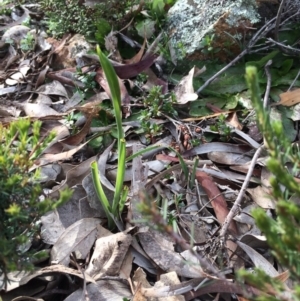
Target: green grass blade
{"x":184,"y":166}
{"x":113,"y":83}
{"x":142,"y":151}
{"x":111,"y":77}
{"x":120,"y":177}
{"x":100,"y":193}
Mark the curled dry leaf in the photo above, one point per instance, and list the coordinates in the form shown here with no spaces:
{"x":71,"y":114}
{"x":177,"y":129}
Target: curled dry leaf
{"x":233,"y":120}
{"x":53,"y":88}
{"x":109,"y":254}
{"x":162,"y":288}
{"x":132,"y":70}
{"x":77,"y":138}
{"x":153,"y":81}
{"x":38,"y":110}
{"x":184,"y":91}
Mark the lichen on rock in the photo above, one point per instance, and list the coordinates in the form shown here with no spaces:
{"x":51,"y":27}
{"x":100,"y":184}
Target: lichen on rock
{"x":189,"y":21}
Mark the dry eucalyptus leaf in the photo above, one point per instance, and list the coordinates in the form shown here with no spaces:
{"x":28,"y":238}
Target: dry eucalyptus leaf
{"x":75,"y":174}
{"x":53,"y":88}
{"x":258,"y":260}
{"x":161,"y":250}
{"x":38,"y":110}
{"x":102,"y":167}
{"x":52,"y":227}
{"x":289,"y":98}
{"x":49,"y":158}
{"x":80,"y":237}
{"x":261,"y":197}
{"x":228,"y":158}
{"x":88,"y":185}
{"x":78,"y":137}
{"x":76,"y":208}
{"x":104,"y":290}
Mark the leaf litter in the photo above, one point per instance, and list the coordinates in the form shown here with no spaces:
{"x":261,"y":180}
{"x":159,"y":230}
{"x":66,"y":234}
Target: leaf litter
{"x":168,"y":244}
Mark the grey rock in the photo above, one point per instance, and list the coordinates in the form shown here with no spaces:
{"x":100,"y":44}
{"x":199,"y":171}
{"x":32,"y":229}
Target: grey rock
{"x":189,"y":21}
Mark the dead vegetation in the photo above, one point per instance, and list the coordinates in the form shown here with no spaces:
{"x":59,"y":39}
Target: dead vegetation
{"x":186,"y":224}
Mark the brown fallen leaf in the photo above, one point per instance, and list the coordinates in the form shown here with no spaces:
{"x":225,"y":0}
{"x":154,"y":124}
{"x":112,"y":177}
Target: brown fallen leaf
{"x":138,"y":56}
{"x":184,"y":90}
{"x":102,"y":81}
{"x":49,"y":158}
{"x":219,"y":205}
{"x":262,"y":197}
{"x":233,"y":120}
{"x":77,"y":138}
{"x":288,"y":98}
{"x":132,"y":70}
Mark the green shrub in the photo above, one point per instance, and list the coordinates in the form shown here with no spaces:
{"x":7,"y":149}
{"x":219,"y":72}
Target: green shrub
{"x":20,"y":192}
{"x":283,"y":232}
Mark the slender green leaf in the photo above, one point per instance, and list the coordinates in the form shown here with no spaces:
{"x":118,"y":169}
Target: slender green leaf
{"x":100,"y":193}
{"x":113,"y":83}
{"x":142,"y":151}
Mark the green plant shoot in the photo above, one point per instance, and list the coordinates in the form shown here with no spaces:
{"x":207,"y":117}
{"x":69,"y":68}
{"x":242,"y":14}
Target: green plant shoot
{"x":114,"y":87}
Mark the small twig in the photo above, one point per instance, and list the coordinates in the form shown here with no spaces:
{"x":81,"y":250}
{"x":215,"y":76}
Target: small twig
{"x":285,"y":49}
{"x":207,"y":83}
{"x":85,"y":295}
{"x":238,"y":200}
{"x":259,"y":50}
{"x":292,"y":84}
{"x":278,"y":18}
{"x":268,"y":88}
